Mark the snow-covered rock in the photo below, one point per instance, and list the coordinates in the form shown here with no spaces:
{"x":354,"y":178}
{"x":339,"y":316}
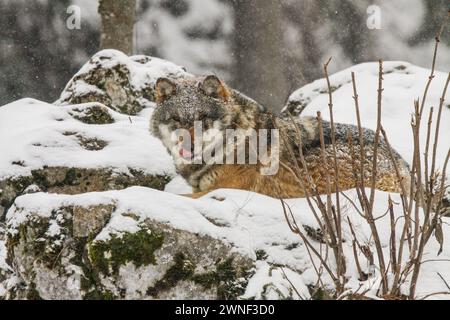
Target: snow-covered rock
{"x":140,"y":243}
{"x":125,"y":84}
{"x":126,"y":244}
{"x":75,"y":149}
{"x":94,"y":138}
{"x":402,"y":83}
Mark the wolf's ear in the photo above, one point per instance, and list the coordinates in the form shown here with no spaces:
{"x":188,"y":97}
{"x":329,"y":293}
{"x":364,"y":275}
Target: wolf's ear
{"x":213,"y":87}
{"x":164,"y":89}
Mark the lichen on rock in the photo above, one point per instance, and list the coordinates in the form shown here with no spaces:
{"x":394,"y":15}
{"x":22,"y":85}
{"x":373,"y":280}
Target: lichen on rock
{"x":125,"y":84}
{"x":91,"y":113}
{"x":75,"y":181}
{"x":68,"y":253}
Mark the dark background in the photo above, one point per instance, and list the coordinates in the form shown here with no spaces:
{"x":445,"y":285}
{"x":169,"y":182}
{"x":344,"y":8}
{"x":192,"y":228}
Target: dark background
{"x":265,"y":48}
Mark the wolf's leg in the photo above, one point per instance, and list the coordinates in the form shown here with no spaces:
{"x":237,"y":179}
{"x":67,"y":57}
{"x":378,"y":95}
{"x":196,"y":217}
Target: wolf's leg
{"x":196,"y":195}
{"x":230,"y":177}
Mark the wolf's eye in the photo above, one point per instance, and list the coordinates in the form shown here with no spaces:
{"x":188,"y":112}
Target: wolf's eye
{"x":175,"y":117}
{"x":201,"y":117}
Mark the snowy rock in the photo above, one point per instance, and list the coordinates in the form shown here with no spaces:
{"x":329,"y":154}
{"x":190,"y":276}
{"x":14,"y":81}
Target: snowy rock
{"x":141,"y":243}
{"x":76,"y":148}
{"x":125,"y":84}
{"x":102,"y":246}
{"x":402,"y":83}
{"x":84,"y":142}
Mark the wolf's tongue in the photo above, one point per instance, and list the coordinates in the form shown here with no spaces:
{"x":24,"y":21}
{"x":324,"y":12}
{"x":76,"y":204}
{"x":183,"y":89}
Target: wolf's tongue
{"x":185,"y":153}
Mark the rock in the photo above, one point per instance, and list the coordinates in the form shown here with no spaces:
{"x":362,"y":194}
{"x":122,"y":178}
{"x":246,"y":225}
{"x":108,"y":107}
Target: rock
{"x":313,"y":97}
{"x":125,"y":84}
{"x":398,"y":77}
{"x":91,"y":113}
{"x":76,"y":148}
{"x":69,"y":251}
{"x":74,"y":181}
{"x":85,"y":143}
{"x":140,"y":243}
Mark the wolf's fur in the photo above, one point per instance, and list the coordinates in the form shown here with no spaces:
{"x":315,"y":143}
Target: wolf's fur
{"x":180,"y":102}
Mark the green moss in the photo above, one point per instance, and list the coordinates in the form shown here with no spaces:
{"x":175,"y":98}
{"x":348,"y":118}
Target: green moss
{"x":39,"y":178}
{"x":71,"y":177}
{"x":37,"y":243}
{"x":261,"y":254}
{"x":33,"y":294}
{"x":99,"y":295}
{"x":138,"y":248}
{"x":140,"y":178}
{"x":182,"y":269}
{"x":292,"y":246}
{"x":21,"y":183}
{"x":315,"y":234}
{"x":91,"y":144}
{"x":90,"y":283}
{"x":318,"y":293}
{"x":270,"y":287}
{"x":95,"y":114}
{"x":118,"y":76}
{"x":228,"y":280}
{"x":10,"y":189}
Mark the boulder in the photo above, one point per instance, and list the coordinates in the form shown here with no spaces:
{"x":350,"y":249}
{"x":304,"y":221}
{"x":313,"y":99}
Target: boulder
{"x":126,"y":245}
{"x":76,"y":148}
{"x":125,"y":84}
{"x":94,"y":138}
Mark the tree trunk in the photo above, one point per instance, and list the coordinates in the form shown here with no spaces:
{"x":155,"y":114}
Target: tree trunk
{"x":117,"y":24}
{"x":350,"y":29}
{"x":258,"y":41}
{"x":305,"y":57}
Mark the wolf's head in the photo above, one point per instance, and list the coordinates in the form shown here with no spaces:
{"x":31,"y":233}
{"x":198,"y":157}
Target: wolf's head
{"x":181,"y":102}
{"x":185,"y":104}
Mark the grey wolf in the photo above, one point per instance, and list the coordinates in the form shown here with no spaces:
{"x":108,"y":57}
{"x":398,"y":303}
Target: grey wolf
{"x":182,"y":102}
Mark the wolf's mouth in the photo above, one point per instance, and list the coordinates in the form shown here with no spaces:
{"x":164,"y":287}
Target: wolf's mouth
{"x":186,"y":146}
{"x":186,"y":154}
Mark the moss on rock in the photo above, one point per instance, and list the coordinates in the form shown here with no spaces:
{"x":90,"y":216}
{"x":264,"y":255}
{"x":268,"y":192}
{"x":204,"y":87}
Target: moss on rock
{"x":91,"y":144}
{"x":182,"y":269}
{"x":93,"y":113}
{"x":138,"y":248}
{"x":110,"y":86}
{"x":157,"y":261}
{"x":75,"y":181}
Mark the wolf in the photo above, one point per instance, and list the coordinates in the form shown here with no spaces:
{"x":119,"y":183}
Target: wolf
{"x":304,"y":150}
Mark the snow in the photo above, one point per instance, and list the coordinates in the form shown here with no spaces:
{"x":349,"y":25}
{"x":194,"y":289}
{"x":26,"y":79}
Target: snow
{"x":403,"y":83}
{"x":248,"y":222}
{"x":34,"y":134}
{"x":178,"y":186}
